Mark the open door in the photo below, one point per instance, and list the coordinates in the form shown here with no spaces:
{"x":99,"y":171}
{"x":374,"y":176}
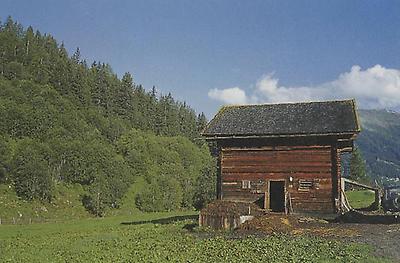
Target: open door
{"x":277,"y":196}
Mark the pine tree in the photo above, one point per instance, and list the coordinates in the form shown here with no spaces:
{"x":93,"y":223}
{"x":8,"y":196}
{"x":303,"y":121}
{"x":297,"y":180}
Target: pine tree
{"x":201,"y":122}
{"x":357,"y":167}
{"x":123,"y":97}
{"x":76,"y":57}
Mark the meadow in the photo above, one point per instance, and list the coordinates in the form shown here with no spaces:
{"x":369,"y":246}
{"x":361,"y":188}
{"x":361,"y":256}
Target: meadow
{"x":163,"y":237}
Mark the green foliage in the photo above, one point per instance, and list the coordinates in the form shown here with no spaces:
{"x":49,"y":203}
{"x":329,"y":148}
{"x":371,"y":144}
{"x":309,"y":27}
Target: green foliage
{"x":206,"y":186}
{"x":357,"y":167}
{"x":5,"y":152}
{"x":128,"y":201}
{"x":108,"y":182}
{"x":62,"y":121}
{"x":30,"y":170}
{"x":146,"y":240}
{"x":171,"y":166}
{"x":163,"y":194}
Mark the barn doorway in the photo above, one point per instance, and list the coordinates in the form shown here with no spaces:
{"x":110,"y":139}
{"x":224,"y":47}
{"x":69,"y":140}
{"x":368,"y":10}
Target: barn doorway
{"x":277,"y":196}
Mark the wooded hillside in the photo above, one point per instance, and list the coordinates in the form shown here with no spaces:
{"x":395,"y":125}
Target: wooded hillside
{"x":379,"y":142}
{"x":63,"y":121}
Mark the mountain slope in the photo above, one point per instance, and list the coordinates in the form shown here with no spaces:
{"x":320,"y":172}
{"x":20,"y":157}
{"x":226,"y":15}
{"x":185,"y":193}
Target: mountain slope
{"x":63,"y":122}
{"x":379,"y":142}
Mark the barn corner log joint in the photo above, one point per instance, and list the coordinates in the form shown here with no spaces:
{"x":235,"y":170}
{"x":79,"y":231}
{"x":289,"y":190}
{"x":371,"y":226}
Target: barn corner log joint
{"x":284,"y":157}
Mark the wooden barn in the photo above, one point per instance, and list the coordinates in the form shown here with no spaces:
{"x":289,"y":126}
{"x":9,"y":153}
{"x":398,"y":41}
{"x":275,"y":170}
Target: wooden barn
{"x":284,"y":157}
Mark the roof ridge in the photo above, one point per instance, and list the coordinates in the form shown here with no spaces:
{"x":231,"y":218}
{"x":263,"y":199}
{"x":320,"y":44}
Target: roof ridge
{"x":284,"y":103}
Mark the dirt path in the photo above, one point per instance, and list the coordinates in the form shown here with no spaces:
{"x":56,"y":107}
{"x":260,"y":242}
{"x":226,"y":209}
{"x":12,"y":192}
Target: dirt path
{"x":385,"y":239}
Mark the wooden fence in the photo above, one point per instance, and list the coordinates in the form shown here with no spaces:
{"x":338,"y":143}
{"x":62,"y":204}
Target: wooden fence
{"x":27,"y":221}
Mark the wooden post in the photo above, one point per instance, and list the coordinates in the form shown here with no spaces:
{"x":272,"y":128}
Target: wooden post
{"x":378,"y":200}
{"x":343,"y":201}
{"x":266,"y":200}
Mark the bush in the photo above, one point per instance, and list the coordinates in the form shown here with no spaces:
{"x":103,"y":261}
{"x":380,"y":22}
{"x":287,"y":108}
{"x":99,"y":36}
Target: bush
{"x":205,"y":187}
{"x":162,"y":194}
{"x":4,"y":162}
{"x":31,"y":174}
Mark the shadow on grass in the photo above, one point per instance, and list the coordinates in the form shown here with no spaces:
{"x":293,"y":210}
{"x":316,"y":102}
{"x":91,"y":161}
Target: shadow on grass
{"x":163,"y":221}
{"x":370,"y":208}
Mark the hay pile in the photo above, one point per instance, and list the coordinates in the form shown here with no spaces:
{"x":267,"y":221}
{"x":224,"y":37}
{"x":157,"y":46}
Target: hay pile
{"x":271,"y":224}
{"x":295,"y":225}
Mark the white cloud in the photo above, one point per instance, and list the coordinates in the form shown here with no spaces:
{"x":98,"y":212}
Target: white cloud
{"x":375,"y":87}
{"x":229,"y":96}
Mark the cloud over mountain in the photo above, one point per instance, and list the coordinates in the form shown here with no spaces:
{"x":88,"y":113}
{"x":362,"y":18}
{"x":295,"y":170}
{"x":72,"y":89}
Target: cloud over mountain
{"x":375,"y":87}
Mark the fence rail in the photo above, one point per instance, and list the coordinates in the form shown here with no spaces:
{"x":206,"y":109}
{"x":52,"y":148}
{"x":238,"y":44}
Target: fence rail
{"x":27,"y":221}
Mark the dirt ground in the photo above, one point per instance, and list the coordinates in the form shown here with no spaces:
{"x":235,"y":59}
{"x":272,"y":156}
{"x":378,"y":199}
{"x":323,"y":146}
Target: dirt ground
{"x":385,"y":239}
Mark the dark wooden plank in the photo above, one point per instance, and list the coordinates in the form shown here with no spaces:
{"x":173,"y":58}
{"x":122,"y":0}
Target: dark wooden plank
{"x":277,"y":148}
{"x":293,"y":165}
{"x":276,"y":153}
{"x":277,"y":169}
{"x":262,"y":160}
{"x":277,"y":175}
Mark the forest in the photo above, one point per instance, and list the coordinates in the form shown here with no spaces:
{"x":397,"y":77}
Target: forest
{"x":63,"y":121}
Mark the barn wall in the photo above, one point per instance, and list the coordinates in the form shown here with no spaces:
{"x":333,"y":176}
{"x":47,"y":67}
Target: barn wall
{"x":259,"y":165}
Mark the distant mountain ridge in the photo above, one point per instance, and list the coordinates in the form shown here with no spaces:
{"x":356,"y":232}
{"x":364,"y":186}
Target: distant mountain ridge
{"x":379,"y":142}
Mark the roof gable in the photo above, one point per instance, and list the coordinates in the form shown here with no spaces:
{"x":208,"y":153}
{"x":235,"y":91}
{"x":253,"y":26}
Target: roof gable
{"x":306,"y":118}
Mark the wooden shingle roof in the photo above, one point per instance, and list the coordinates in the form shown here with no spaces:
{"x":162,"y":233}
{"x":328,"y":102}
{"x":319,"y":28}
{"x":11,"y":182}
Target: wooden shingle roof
{"x":287,"y":119}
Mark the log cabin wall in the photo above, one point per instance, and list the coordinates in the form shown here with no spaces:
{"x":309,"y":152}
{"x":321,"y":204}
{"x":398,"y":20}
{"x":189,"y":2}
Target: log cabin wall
{"x":307,"y":171}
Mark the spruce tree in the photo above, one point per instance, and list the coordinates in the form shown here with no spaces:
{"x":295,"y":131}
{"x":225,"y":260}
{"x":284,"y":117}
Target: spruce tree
{"x":357,"y":167}
{"x":201,"y":122}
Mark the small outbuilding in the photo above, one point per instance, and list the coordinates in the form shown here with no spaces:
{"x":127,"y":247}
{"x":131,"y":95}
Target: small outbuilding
{"x":284,"y":157}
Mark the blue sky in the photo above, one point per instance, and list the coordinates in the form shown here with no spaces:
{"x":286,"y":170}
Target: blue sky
{"x":213,"y":52}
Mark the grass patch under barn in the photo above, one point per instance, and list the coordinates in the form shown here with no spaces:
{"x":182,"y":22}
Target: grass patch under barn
{"x":162,"y":237}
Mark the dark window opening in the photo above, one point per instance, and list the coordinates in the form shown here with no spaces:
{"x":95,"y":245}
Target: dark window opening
{"x":277,"y":196}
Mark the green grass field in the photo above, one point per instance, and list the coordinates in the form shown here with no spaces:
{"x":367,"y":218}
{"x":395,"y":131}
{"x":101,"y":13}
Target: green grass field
{"x":66,"y":204}
{"x":150,"y":237}
{"x":146,"y":238}
{"x":360,"y":198}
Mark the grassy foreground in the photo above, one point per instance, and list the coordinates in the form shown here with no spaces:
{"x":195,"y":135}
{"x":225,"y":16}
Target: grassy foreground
{"x":146,"y":238}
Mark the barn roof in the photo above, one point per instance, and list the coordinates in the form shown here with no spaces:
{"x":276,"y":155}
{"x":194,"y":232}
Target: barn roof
{"x":286,"y":119}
